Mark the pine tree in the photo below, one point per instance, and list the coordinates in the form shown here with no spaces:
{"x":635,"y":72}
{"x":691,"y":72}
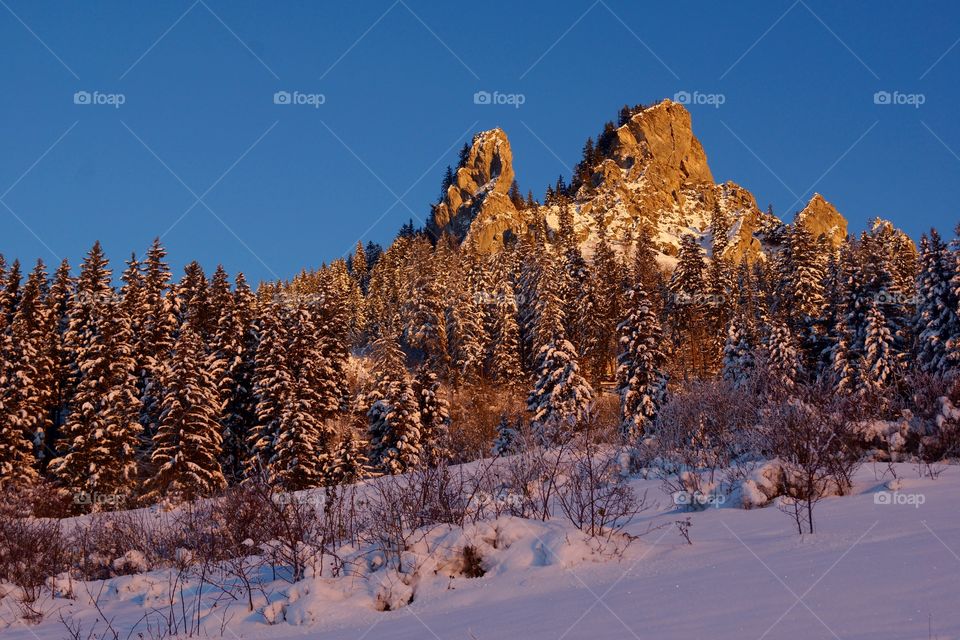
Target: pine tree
{"x":349,"y":462}
{"x":434,"y":417}
{"x":686,"y":310}
{"x":881,"y":364}
{"x":505,"y":366}
{"x":394,"y":417}
{"x":29,"y":392}
{"x":642,"y":383}
{"x":782,"y":357}
{"x":100,"y":438}
{"x":58,"y":306}
{"x":508,"y":435}
{"x":272,"y":381}
{"x":738,"y":360}
{"x":155,"y":342}
{"x":938,"y":314}
{"x":17,"y":460}
{"x":561,"y":397}
{"x":233,"y":350}
{"x":305,"y":436}
{"x":187,"y":445}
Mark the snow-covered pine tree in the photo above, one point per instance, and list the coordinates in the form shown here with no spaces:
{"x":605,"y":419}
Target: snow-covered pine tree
{"x":426,"y":326}
{"x":305,"y":437}
{"x":738,"y":350}
{"x":30,"y":386}
{"x":272,"y":381}
{"x":881,"y":364}
{"x":394,"y":417}
{"x":58,"y":306}
{"x":803,"y":278}
{"x":192,"y":302}
{"x":505,"y":366}
{"x":607,"y":284}
{"x":349,"y":462}
{"x":938,"y":315}
{"x":18,"y":464}
{"x":782,"y":359}
{"x":100,"y":438}
{"x":641,"y":379}
{"x":434,"y":417}
{"x":508,"y":436}
{"x":187,"y":445}
{"x":233,"y":350}
{"x":155,"y":341}
{"x":561,"y":397}
{"x":688,"y":330}
{"x":466,"y":333}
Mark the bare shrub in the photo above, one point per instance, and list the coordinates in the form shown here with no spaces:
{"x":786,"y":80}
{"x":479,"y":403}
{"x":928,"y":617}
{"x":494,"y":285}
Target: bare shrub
{"x":813,"y":437}
{"x":699,"y":434}
{"x":593,"y":493}
{"x":30,"y":552}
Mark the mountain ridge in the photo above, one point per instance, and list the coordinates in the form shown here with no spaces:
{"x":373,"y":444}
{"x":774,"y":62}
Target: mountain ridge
{"x":649,"y":171}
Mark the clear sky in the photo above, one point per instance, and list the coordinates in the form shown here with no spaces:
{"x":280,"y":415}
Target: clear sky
{"x":199,"y":152}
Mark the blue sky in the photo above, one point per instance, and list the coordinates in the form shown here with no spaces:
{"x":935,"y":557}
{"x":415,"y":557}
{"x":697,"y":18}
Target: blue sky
{"x":199,"y":152}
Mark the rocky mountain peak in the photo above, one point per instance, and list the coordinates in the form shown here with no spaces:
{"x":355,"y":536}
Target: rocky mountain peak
{"x":649,"y":171}
{"x":822,"y":219}
{"x":476,"y":203}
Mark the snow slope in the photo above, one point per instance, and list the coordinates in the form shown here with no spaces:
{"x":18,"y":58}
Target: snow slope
{"x":873,"y":570}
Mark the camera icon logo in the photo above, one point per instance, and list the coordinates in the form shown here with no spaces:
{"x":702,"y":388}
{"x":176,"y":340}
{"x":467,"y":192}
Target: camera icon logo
{"x":281,"y":97}
{"x":682,"y":97}
{"x":482,"y":97}
{"x":882,"y":97}
{"x":883,"y":497}
{"x":81,"y":97}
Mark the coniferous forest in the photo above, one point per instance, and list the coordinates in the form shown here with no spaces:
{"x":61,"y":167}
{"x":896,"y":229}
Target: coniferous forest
{"x":427,"y":353}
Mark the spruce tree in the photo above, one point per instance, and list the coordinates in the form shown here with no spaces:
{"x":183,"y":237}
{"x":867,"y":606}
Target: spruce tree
{"x":30,"y":388}
{"x":187,"y":444}
{"x":937,"y":320}
{"x":641,"y":380}
{"x":349,"y":462}
{"x":434,"y":417}
{"x":561,"y":397}
{"x":100,"y":438}
{"x":394,"y":417}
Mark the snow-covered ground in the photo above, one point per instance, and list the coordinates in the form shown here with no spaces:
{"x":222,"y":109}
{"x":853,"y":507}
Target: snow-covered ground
{"x":877,"y":569}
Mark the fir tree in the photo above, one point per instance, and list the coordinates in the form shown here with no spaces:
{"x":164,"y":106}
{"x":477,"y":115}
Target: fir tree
{"x":881,"y":364}
{"x":561,"y":397}
{"x":738,"y":360}
{"x":349,"y":462}
{"x":394,"y":417}
{"x":434,"y":417}
{"x":642,"y":383}
{"x":782,"y":357}
{"x":30,"y":388}
{"x":100,"y":438}
{"x":505,"y":366}
{"x":938,"y":314}
{"x":187,"y":444}
{"x":508,"y":435}
{"x":155,"y":342}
